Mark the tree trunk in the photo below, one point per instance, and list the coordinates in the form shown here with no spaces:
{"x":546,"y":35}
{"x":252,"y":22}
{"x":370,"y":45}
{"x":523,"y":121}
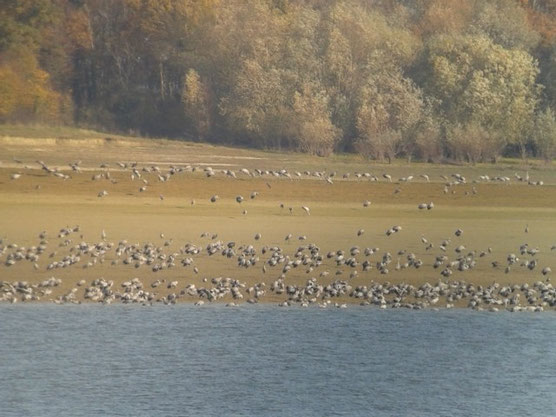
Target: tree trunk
{"x":161,"y":70}
{"x":523,"y":151}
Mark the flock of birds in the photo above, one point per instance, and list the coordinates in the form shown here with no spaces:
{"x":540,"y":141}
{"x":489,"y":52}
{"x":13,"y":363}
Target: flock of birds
{"x":141,"y":174}
{"x":331,"y":275}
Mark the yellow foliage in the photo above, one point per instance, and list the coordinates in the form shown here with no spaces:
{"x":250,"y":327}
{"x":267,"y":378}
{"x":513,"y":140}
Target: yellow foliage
{"x":25,"y":90}
{"x":9,"y":87}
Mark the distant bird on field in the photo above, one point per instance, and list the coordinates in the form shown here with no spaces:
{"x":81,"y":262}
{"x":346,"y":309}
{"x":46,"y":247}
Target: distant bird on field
{"x":103,"y":193}
{"x":307,"y":210}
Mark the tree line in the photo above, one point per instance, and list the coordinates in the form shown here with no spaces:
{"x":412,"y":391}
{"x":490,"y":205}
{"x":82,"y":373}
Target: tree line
{"x":467,"y":80}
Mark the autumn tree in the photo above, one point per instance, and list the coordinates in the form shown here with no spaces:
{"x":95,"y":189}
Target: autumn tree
{"x":477,"y":81}
{"x":466,"y":79}
{"x":391,"y":107}
{"x":505,"y":23}
{"x":195,"y":99}
{"x":313,"y":131}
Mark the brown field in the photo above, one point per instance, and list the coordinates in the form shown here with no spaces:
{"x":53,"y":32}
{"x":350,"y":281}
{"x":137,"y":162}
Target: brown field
{"x":494,"y":216}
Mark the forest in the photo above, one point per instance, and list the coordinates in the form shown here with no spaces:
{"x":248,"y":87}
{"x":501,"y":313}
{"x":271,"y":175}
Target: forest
{"x":435,"y":80}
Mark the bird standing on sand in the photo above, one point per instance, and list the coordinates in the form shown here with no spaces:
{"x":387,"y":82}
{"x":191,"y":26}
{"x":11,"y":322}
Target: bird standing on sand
{"x":307,"y":210}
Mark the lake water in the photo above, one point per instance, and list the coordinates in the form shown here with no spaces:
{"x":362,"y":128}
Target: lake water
{"x":91,"y":360}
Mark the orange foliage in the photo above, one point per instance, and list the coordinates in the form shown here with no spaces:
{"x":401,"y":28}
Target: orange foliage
{"x":542,"y":19}
{"x":78,"y":29}
{"x":25,"y":90}
{"x":446,"y":16}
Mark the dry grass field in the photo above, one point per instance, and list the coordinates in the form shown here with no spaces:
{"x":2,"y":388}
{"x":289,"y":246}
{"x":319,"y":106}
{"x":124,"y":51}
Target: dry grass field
{"x":492,"y":214}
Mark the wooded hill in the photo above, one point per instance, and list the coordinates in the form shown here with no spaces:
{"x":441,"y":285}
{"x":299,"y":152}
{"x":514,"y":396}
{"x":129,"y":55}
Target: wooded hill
{"x":434,"y":79}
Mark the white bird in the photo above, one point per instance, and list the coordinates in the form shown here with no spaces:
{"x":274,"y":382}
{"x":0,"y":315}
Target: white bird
{"x":103,"y":193}
{"x":307,"y":210}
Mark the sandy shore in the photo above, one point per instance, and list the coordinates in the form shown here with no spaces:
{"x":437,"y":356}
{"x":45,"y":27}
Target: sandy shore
{"x":499,"y":216}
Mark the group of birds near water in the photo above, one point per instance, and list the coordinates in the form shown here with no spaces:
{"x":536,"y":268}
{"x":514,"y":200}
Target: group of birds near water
{"x":330,"y":276}
{"x":336,"y":271}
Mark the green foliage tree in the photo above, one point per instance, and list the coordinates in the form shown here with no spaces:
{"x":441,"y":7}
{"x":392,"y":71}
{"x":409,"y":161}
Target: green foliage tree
{"x":477,"y":81}
{"x":544,"y":135}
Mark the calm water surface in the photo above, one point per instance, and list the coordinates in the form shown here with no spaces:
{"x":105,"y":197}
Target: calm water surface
{"x":91,"y":360}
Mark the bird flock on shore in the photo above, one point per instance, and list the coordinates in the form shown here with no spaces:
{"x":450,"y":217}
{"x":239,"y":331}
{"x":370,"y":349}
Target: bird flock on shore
{"x":275,"y":261}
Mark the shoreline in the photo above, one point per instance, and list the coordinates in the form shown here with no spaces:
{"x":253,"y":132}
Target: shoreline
{"x":450,"y":294}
